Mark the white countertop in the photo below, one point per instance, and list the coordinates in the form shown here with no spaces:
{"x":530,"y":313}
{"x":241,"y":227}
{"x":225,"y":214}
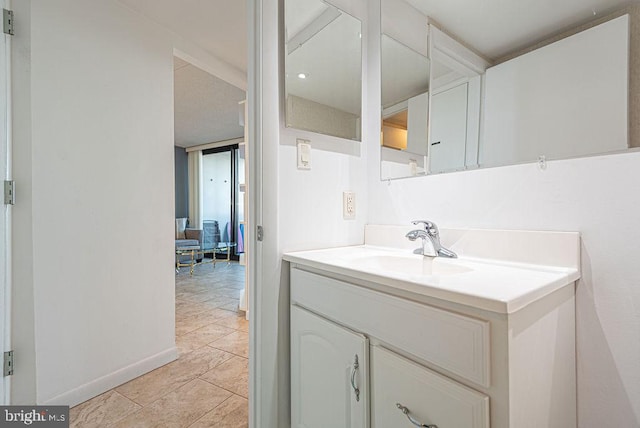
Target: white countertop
{"x":497,"y":286}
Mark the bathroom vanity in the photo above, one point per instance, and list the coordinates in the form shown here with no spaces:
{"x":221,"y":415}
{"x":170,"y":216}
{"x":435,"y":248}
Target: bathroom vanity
{"x":382,"y":337}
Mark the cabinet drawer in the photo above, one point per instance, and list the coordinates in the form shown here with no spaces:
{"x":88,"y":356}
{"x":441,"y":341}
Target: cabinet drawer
{"x":455,"y":342}
{"x":428,"y":397}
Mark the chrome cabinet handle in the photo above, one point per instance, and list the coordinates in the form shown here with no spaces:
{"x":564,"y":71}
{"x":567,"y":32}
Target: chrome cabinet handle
{"x":356,"y":390}
{"x":404,"y":410}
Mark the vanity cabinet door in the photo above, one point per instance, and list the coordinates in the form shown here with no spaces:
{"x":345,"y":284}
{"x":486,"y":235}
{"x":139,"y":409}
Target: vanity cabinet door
{"x":329,"y":373}
{"x":405,"y":394}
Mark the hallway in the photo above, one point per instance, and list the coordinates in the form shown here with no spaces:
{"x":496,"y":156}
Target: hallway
{"x":208,"y":385}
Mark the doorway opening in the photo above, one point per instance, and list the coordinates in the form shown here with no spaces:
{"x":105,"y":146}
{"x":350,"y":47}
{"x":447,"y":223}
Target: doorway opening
{"x":212,"y":331}
{"x":223,"y":172}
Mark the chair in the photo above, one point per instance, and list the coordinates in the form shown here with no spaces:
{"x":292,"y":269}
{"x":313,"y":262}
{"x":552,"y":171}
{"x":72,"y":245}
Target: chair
{"x":187,"y":237}
{"x":211,"y":234}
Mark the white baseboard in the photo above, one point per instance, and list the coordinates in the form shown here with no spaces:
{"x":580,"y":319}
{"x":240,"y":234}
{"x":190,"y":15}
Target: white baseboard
{"x":105,"y":383}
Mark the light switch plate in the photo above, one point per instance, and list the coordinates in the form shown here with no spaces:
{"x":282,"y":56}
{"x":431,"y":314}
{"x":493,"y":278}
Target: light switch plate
{"x":304,"y":153}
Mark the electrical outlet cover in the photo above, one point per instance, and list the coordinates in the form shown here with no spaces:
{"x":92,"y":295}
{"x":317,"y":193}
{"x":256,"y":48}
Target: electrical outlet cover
{"x":348,"y":205}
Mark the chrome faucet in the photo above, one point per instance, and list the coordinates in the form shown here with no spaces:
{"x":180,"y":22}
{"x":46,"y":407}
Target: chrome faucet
{"x":431,"y":235}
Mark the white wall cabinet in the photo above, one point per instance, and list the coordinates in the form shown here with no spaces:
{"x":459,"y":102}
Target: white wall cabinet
{"x":427,"y":360}
{"x":567,"y":99}
{"x":329,"y":366}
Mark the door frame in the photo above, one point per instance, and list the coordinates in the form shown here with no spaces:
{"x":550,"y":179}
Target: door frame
{"x":254,"y":214}
{"x":231,"y":148}
{"x":5,"y":217}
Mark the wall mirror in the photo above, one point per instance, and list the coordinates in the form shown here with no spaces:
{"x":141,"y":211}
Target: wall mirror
{"x":505,"y":94}
{"x":323,"y":69}
{"x":430,"y":92}
{"x":456,"y":89}
{"x":404,"y":73}
{"x":405,"y":104}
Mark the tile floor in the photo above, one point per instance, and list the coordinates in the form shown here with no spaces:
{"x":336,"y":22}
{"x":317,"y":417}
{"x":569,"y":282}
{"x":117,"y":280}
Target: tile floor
{"x":208,"y":385}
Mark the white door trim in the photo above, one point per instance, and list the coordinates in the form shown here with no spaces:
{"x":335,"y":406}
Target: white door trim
{"x":254,"y":146}
{"x":6,"y":172}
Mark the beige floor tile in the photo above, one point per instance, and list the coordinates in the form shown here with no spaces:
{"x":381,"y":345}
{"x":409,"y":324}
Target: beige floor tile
{"x":234,"y":307}
{"x":237,"y":343}
{"x":232,"y":375}
{"x":179,"y":408}
{"x":201,"y":337}
{"x":229,"y":292}
{"x":103,"y":410}
{"x":194,"y":288}
{"x":220,"y":313}
{"x":218,"y":301}
{"x":238,"y":285}
{"x":190,"y":323}
{"x":233,"y":413}
{"x":197,"y":297}
{"x":185,"y":308}
{"x":153,"y":385}
{"x":237,"y":323}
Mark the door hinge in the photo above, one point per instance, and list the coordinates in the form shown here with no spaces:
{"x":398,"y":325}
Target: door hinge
{"x":259,"y":233}
{"x":7,"y":19}
{"x":9,"y":191}
{"x":8,"y":363}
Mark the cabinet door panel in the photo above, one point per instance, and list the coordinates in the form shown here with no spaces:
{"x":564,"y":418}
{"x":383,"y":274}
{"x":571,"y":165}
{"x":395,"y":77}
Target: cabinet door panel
{"x":428,"y":397}
{"x":323,"y":356}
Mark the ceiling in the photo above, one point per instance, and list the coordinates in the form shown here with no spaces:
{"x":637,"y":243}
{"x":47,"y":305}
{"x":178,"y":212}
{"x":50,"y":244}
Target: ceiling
{"x":401,"y":83}
{"x":495,"y":28}
{"x":217,"y":26}
{"x":206,"y":108}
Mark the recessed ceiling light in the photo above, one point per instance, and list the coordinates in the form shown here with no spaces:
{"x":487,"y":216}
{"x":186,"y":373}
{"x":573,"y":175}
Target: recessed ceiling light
{"x":302,"y":76}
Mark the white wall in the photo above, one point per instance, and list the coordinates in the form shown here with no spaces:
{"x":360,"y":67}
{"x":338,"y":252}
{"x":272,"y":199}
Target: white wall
{"x":302,"y":210}
{"x":307,"y":114}
{"x":93,"y":264}
{"x":589,"y":195}
{"x":310,"y":202}
{"x":597,"y":196}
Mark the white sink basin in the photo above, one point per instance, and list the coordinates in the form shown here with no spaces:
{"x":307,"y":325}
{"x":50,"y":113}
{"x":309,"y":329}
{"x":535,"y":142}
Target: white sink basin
{"x":495,"y":285}
{"x":410,"y":264}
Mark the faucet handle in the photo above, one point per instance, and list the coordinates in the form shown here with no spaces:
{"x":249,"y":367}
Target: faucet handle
{"x":426,"y":223}
{"x":429,"y":226}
